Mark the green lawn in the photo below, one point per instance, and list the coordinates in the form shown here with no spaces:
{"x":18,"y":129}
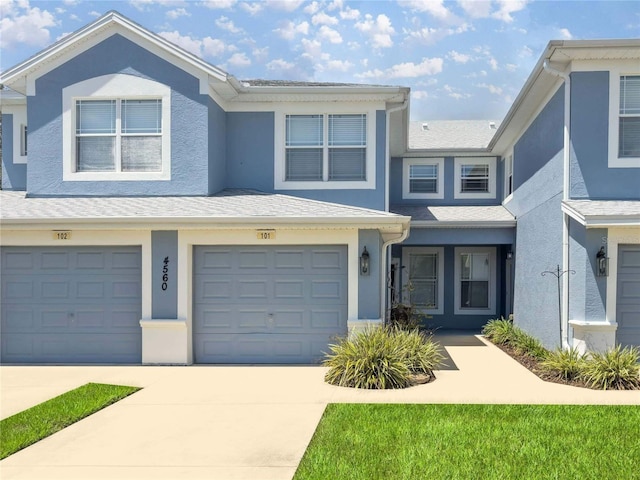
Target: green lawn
{"x":366,"y":441}
{"x":29,"y":426}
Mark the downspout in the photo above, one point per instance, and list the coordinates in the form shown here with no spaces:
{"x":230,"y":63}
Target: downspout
{"x":383,"y":280}
{"x":564,"y":333}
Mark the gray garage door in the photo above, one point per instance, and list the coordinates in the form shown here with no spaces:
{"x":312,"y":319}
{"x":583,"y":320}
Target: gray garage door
{"x":268,"y":304}
{"x":628,"y":295}
{"x":71,"y":305}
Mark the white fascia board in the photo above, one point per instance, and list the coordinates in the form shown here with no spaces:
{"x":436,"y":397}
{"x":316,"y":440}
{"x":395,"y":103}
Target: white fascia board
{"x":66,"y":48}
{"x":601,"y":221}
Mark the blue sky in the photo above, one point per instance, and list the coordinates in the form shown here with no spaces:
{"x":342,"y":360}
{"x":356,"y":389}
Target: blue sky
{"x":464,"y":59}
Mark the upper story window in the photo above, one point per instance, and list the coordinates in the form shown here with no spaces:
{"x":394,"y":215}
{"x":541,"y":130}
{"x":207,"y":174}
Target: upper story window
{"x":116,"y":127}
{"x":325,"y":150}
{"x":629,"y":126}
{"x":508,"y":175}
{"x":475,"y":178}
{"x":119,"y":135}
{"x":423,"y":178}
{"x":624,"y":119}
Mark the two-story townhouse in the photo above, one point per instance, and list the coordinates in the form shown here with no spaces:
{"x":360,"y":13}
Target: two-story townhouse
{"x":166,"y":212}
{"x":571,"y":145}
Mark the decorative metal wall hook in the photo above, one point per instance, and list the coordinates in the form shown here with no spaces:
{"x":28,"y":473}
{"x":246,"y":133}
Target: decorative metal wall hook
{"x":558,"y":274}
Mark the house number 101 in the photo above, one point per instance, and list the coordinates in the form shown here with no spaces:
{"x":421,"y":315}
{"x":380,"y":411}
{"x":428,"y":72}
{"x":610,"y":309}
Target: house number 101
{"x":165,"y":273}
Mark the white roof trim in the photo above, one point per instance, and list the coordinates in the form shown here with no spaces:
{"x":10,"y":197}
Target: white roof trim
{"x":601,"y":221}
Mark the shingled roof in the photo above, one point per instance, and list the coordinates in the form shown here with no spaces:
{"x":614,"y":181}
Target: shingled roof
{"x":451,"y":134}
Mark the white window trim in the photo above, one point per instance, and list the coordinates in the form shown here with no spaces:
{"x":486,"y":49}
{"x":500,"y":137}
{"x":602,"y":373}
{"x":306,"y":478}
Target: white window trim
{"x":406,"y":169}
{"x":508,"y":158}
{"x":406,"y":273}
{"x":459,"y":161}
{"x":122,"y":87}
{"x":491,"y":310}
{"x":19,"y":119}
{"x":614,"y":116}
{"x":280,"y":182}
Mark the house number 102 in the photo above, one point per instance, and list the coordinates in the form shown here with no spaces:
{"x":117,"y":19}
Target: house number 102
{"x":165,"y":273}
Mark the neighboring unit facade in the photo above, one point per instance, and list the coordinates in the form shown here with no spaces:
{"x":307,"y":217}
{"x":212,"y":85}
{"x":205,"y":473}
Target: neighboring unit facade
{"x":162,"y":211}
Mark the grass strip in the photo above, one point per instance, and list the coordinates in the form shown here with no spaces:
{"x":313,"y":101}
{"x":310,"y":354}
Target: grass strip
{"x":31,"y":425}
{"x":380,"y":441}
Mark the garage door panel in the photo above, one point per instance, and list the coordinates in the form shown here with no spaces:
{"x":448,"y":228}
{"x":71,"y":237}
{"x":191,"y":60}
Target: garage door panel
{"x":279,"y":304}
{"x":628,"y":295}
{"x":71,"y":304}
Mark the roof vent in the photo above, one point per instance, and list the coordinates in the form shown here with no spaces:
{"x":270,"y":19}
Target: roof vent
{"x":492,"y":125}
{"x":425,"y":127}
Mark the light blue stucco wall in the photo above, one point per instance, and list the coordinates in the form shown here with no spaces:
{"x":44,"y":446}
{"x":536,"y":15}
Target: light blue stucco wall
{"x":164,"y":273}
{"x":587,"y":292}
{"x":14,"y":177}
{"x":217,"y":147}
{"x":369,"y":299}
{"x":460,"y":236}
{"x":395,"y":185}
{"x":538,"y":182}
{"x":590,"y":175}
{"x":190,"y":155}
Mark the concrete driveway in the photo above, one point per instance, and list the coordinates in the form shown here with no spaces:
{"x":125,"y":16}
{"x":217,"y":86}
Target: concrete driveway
{"x":228,"y":422}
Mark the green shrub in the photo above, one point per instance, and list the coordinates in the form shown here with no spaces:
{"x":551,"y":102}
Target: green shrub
{"x":381,"y":358}
{"x":564,"y":364}
{"x":404,"y":317}
{"x":616,"y":369}
{"x":525,"y":344}
{"x":500,"y":331}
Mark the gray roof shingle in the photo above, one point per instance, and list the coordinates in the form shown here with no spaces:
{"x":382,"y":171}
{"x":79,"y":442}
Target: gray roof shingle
{"x":225,"y":207}
{"x":604,"y":212}
{"x":457,"y":215}
{"x":451,"y":134}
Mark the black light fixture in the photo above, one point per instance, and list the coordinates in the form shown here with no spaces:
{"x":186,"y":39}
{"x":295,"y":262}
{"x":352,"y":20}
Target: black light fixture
{"x":364,"y":262}
{"x":602,"y":263}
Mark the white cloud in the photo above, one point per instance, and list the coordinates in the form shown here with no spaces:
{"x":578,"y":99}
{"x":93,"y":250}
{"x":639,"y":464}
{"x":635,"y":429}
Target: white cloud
{"x":329,"y":34}
{"x":226,"y":24}
{"x":460,"y":96}
{"x":213,"y":47}
{"x":492,"y":88}
{"x":176,"y":13}
{"x":19,"y":23}
{"x":312,"y":48}
{"x":289,"y":30}
{"x":260,"y":54}
{"x":379,"y":30}
{"x":93,"y":13}
{"x":507,"y":7}
{"x":428,"y":66}
{"x":350,"y":14}
{"x":476,"y":8}
{"x":62,"y":35}
{"x":565,"y":34}
{"x":430,"y":35}
{"x":312,"y":8}
{"x":142,"y":4}
{"x":339,"y":65}
{"x":435,"y":8}
{"x":285,"y":5}
{"x":219,"y":4}
{"x":525,"y":52}
{"x":493,"y":63}
{"x":419,"y":94}
{"x":239,"y":60}
{"x":458,"y":57}
{"x":335,"y":5}
{"x":323,"y":19}
{"x":280,"y":65}
{"x":251,"y":8}
{"x":193,"y":45}
{"x":511,"y":67}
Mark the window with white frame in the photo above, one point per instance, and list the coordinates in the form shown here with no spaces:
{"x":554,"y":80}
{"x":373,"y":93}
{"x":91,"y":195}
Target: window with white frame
{"x":423,"y":178}
{"x":423,"y":277}
{"x":326,"y":148}
{"x":475,"y":177}
{"x":116,"y":127}
{"x":508,"y":175}
{"x":475,"y":274}
{"x":624,"y":119}
{"x":629,"y":121}
{"x":119,"y":135}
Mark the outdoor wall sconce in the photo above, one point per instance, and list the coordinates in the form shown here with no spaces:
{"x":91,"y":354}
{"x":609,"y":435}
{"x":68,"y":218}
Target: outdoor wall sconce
{"x":602,"y":263}
{"x":364,"y":262}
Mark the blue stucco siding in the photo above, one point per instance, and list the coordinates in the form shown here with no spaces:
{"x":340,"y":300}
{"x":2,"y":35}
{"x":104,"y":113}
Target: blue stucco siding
{"x":164,"y":272}
{"x":591,"y":176}
{"x":460,"y":236}
{"x":369,"y":300}
{"x":541,"y":142}
{"x":587,"y":292}
{"x":250,"y":150}
{"x":190,"y":118}
{"x":217,"y":147}
{"x":395,"y":186}
{"x":14,"y":176}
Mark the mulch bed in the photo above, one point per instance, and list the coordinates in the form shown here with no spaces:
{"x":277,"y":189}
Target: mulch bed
{"x":533,"y":365}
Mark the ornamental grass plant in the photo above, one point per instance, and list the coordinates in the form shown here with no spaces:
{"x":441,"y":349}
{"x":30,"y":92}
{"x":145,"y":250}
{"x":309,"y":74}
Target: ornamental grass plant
{"x":615,"y":369}
{"x":564,"y":364}
{"x":381,"y":358}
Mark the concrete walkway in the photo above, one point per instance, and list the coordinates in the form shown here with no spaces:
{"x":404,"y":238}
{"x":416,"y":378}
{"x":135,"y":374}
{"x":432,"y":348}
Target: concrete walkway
{"x":219,"y":422}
